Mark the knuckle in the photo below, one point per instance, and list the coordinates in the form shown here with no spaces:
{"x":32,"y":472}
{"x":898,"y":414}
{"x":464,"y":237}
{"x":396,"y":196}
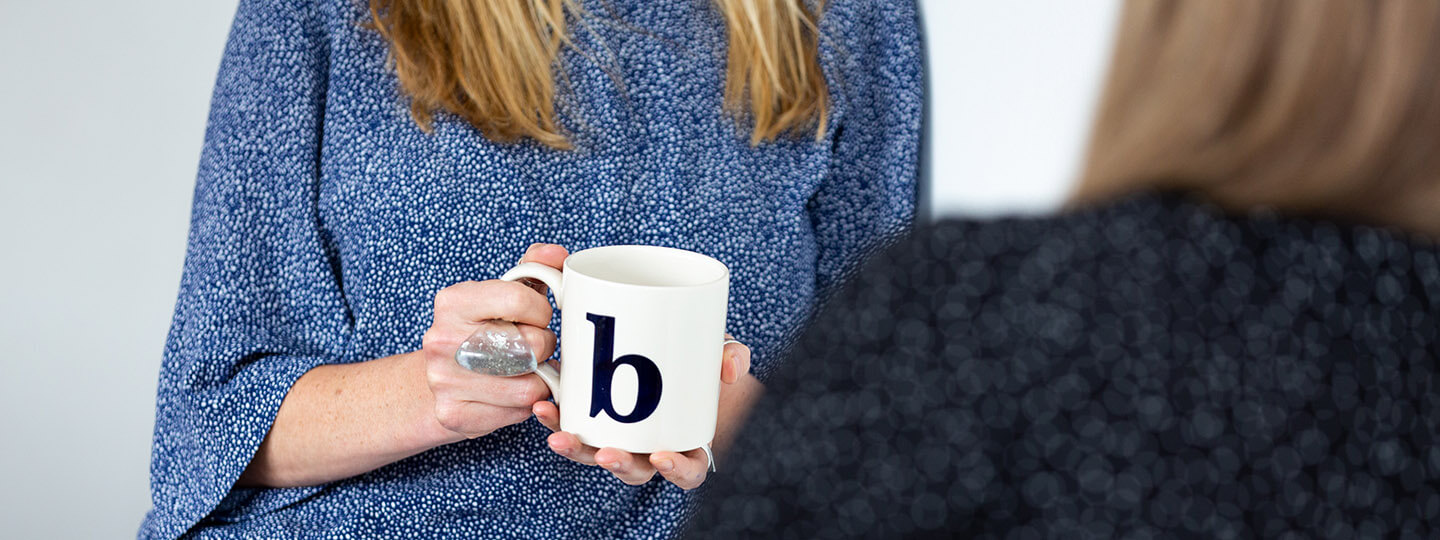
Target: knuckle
{"x":545,"y":337}
{"x":450,"y":416}
{"x":518,"y":415}
{"x":529,"y":394}
{"x":636,"y":480}
{"x":538,"y":388}
{"x":510,"y":299}
{"x":431,"y":339}
{"x":438,"y":379}
{"x":454,"y":297}
{"x":445,"y":299}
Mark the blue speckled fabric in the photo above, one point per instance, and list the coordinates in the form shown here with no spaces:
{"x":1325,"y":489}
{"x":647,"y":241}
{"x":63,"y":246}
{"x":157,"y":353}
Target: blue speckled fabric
{"x":325,"y":221}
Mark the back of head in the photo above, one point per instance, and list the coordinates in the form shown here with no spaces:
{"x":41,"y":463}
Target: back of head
{"x":1325,"y":108}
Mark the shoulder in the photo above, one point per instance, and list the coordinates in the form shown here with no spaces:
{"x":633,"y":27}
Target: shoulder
{"x":295,"y":18}
{"x":859,"y":28}
{"x":955,"y":277}
{"x":876,"y":14}
{"x":860,"y":33}
{"x":288,"y":11}
{"x":288,"y":29}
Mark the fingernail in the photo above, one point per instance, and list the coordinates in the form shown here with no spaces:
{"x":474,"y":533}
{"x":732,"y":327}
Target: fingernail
{"x":664,"y":465}
{"x":612,"y":465}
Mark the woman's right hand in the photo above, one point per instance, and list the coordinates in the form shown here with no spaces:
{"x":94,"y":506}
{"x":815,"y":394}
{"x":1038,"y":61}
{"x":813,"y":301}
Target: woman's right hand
{"x":340,"y":420}
{"x":469,"y":404}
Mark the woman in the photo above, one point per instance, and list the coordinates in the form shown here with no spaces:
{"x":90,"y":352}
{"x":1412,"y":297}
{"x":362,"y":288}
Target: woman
{"x":368,"y":171}
{"x":1233,"y":334}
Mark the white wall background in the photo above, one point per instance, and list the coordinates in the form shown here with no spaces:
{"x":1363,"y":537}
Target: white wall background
{"x":1011,"y":88}
{"x":102,"y":110}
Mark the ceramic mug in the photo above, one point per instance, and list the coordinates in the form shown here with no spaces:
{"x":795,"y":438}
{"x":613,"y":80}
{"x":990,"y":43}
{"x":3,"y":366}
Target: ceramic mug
{"x":642,"y":332}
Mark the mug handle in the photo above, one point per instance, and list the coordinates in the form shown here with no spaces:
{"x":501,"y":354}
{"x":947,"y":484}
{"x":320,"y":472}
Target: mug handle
{"x":556,"y":281}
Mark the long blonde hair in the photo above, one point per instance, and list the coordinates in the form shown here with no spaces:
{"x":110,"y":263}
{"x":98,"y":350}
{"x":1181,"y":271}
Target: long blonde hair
{"x":492,"y":63}
{"x":1323,"y":107}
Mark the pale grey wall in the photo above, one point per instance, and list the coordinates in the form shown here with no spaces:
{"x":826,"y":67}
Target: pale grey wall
{"x":102,"y":110}
{"x":1012,"y":87}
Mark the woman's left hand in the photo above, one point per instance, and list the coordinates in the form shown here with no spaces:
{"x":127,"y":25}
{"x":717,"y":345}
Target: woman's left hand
{"x":684,"y":469}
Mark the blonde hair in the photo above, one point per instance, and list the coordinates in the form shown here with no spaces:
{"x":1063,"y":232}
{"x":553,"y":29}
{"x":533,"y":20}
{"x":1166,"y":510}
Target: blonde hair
{"x":492,"y":63}
{"x":1325,"y":107}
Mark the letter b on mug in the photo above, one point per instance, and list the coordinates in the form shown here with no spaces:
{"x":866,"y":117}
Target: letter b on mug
{"x":641,"y":337}
{"x":647,"y":374}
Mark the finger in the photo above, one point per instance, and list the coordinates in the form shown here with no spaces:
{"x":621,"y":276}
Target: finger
{"x":452,"y":382}
{"x":728,"y":370}
{"x":547,"y":413}
{"x":568,"y":445}
{"x":473,"y":419}
{"x":687,"y":470}
{"x":551,"y":255}
{"x":736,"y":363}
{"x":548,"y":254}
{"x":445,"y":338}
{"x":633,"y":469}
{"x":541,"y":340}
{"x":728,"y":367}
{"x":473,"y":301}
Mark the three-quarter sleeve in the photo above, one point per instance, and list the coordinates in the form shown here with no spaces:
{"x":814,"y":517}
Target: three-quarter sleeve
{"x":876,"y":75}
{"x":260,"y":302}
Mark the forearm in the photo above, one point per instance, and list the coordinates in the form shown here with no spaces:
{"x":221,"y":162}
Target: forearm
{"x":338,"y":421}
{"x":736,"y":400}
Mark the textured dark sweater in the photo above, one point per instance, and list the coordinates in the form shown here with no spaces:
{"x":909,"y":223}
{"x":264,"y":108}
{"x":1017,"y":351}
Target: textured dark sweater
{"x":1152,"y":368}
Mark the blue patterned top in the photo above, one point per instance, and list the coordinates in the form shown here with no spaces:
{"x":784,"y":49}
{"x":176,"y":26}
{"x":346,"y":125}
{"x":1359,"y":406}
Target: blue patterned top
{"x":325,"y":221}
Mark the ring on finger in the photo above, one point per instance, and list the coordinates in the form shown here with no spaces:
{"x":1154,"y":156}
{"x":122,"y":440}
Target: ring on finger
{"x":709,"y":456}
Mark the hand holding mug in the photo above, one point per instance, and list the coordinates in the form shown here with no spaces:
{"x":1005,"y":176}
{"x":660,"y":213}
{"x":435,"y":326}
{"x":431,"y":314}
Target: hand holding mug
{"x":470,"y":404}
{"x":643,"y":354}
{"x":685,"y":469}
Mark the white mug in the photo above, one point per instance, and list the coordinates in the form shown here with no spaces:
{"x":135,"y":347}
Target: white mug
{"x":642,"y":331}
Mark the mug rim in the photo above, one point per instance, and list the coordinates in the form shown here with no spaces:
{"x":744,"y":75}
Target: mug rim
{"x":723,"y":277}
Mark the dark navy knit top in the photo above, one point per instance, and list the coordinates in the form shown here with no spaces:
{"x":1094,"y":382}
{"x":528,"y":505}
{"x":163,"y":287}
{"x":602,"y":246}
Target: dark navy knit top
{"x":1147,"y":368}
{"x":325,"y":221}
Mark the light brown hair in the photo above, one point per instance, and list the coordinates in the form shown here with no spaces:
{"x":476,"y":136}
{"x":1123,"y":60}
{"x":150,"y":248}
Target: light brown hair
{"x":1315,"y":107}
{"x":492,"y":63}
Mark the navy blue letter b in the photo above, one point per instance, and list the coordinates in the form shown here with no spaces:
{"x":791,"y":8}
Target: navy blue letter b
{"x":605,"y":363}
